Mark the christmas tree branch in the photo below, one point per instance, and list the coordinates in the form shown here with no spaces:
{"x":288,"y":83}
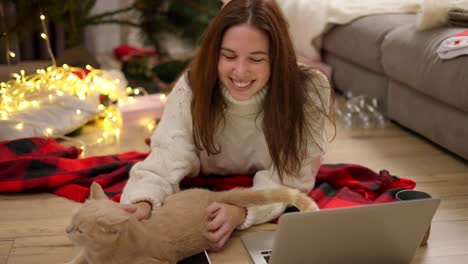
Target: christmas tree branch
{"x":198,"y":7}
{"x":88,"y":6}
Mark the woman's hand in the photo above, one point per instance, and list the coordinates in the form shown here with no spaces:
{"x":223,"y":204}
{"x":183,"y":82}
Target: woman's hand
{"x":222,"y":220}
{"x":141,"y":210}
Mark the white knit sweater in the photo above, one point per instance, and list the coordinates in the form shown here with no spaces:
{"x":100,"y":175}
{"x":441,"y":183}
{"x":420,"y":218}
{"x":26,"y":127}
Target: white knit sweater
{"x":243,"y":151}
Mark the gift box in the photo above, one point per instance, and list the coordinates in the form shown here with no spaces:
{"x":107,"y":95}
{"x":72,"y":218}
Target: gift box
{"x":142,"y":110}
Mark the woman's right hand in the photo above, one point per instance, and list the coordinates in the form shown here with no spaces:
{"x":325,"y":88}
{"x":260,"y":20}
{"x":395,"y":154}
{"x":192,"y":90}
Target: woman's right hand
{"x":141,"y":210}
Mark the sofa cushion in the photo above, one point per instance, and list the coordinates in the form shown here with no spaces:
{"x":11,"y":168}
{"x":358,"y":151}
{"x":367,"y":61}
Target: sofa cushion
{"x":359,"y":42}
{"x":437,"y":121}
{"x":410,"y":57}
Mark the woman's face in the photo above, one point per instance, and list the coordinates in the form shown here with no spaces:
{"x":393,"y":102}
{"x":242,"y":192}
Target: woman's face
{"x":244,"y":63}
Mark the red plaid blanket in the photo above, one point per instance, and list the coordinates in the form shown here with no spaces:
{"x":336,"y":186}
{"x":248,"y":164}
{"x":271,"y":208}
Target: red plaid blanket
{"x":38,"y":165}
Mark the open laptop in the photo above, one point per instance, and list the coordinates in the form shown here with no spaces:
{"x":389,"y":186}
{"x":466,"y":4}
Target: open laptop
{"x":378,"y":233}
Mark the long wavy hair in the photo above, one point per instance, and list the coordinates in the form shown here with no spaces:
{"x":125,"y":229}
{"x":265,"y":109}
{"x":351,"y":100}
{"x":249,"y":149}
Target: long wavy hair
{"x":287,"y":104}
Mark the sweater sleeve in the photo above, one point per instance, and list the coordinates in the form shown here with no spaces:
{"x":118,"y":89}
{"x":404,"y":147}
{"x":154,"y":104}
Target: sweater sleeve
{"x":305,"y":180}
{"x":269,"y":179}
{"x":173,"y":153}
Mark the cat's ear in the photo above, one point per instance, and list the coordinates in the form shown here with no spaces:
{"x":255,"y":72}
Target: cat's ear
{"x":97,"y":193}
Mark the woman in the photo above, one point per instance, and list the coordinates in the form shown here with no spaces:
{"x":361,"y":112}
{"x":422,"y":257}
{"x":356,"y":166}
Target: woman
{"x":244,"y":106}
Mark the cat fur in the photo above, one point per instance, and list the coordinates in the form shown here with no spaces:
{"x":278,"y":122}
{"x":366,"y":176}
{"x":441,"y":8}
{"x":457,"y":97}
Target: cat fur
{"x":108,"y":234}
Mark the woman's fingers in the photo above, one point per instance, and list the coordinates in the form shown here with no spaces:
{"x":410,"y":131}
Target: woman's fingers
{"x":219,"y":237}
{"x":216,"y":222}
{"x":143,"y":210}
{"x":213,"y":208}
{"x":140,"y":210}
{"x":222,"y":241}
{"x":131,"y":208}
{"x":222,"y":220}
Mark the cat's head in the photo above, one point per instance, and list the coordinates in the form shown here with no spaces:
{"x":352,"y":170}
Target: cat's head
{"x":99,"y":222}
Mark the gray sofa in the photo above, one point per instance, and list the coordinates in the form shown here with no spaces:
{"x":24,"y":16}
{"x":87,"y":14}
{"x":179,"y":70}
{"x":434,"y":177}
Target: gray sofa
{"x":383,"y":56}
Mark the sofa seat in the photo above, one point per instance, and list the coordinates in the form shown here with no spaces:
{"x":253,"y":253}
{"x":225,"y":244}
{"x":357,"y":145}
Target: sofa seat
{"x":383,"y":56}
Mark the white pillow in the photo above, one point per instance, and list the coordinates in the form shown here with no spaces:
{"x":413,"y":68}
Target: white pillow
{"x":60,"y":115}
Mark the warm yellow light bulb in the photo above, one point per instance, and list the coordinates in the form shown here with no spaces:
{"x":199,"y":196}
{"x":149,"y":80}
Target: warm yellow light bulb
{"x":162,"y":98}
{"x":78,"y":111}
{"x":136,"y":91}
{"x":150,"y":126}
{"x":42,"y":17}
{"x":12,"y":54}
{"x":22,"y":105}
{"x":49,"y":131}
{"x":43,"y":35}
{"x":19,"y":126}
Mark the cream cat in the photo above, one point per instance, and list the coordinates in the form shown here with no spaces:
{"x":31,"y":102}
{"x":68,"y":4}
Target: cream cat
{"x":108,"y":234}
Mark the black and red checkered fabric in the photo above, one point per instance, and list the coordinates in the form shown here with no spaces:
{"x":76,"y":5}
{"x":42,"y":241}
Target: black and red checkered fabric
{"x":44,"y":165}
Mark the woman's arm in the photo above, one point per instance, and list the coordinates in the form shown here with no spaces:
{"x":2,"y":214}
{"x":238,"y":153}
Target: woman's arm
{"x":173,"y":153}
{"x":269,"y":179}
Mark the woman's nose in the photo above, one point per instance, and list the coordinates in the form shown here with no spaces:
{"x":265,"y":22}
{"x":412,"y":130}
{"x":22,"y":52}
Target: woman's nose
{"x":241,"y":69}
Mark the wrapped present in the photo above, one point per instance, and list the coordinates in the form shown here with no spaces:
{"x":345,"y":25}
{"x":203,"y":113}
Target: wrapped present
{"x":142,"y":110}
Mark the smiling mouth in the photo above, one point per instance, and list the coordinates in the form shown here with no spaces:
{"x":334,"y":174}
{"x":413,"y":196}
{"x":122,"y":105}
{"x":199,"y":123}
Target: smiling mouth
{"x":241,"y":84}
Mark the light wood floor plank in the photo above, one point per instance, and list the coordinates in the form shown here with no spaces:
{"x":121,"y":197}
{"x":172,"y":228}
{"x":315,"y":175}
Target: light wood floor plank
{"x":5,"y":248}
{"x":447,"y":244}
{"x":34,"y":215}
{"x":454,"y":208}
{"x":50,"y":249}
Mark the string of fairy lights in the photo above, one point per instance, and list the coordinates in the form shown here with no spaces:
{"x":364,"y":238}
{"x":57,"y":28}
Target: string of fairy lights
{"x":27,"y":91}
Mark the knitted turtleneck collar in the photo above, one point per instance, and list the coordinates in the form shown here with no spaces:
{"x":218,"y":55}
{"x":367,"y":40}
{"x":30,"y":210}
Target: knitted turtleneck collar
{"x":244,"y":107}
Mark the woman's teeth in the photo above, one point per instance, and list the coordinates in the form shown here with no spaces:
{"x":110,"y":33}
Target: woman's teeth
{"x":242,"y":84}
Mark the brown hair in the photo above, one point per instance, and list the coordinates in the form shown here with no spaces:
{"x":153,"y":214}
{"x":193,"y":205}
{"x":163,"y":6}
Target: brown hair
{"x":287,"y":103}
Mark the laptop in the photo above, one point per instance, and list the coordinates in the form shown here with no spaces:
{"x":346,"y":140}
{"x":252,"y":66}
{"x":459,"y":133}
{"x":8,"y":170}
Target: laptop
{"x":377,"y":233}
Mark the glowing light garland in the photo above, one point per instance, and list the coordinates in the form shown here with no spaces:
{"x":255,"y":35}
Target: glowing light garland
{"x":27,"y":91}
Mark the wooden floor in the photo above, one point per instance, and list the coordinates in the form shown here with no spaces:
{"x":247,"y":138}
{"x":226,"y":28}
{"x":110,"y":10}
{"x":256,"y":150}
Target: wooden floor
{"x":32,"y":226}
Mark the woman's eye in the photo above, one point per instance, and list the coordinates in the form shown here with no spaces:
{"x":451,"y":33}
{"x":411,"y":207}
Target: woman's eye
{"x":228,"y":57}
{"x":256,"y":60}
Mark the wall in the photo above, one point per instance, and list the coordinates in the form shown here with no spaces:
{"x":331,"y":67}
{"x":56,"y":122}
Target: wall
{"x":102,"y":39}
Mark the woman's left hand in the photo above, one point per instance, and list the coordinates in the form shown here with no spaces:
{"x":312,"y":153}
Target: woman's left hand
{"x":222,"y":220}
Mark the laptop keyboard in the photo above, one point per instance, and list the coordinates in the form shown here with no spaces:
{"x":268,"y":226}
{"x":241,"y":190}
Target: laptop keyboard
{"x":266,"y":255}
